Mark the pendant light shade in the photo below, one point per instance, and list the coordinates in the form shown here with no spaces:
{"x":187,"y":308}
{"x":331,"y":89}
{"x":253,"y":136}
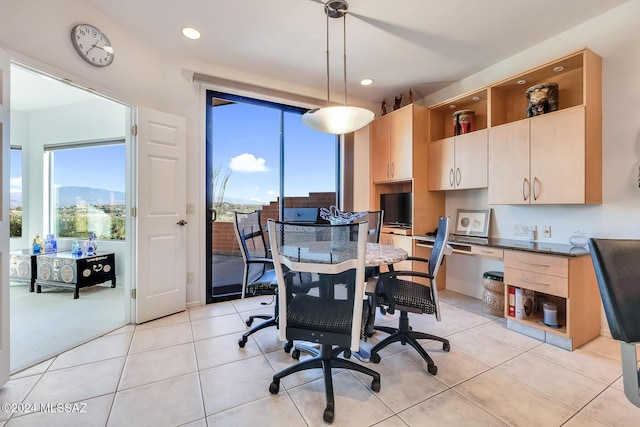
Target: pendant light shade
{"x":343,"y":118}
{"x":337,"y":120}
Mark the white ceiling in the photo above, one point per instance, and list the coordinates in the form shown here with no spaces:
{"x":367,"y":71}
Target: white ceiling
{"x":420,"y":44}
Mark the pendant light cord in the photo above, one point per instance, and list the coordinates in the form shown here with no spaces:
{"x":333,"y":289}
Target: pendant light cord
{"x":328,"y":80}
{"x":344,"y":56}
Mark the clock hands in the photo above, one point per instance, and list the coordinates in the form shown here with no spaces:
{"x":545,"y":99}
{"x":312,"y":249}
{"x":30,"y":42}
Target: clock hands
{"x":107,"y":49}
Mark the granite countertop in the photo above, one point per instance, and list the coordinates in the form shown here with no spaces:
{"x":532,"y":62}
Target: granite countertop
{"x":512,"y":244}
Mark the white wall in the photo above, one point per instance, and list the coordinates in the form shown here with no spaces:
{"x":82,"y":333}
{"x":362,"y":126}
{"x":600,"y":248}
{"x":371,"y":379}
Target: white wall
{"x":142,"y":75}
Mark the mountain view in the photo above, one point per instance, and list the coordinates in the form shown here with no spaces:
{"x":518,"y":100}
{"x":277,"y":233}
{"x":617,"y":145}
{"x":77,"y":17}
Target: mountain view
{"x":71,"y":196}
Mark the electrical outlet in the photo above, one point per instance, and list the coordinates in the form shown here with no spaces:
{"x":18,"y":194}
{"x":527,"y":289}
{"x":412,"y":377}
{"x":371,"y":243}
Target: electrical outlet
{"x":521,"y":230}
{"x":546,"y":231}
{"x":191,"y":277}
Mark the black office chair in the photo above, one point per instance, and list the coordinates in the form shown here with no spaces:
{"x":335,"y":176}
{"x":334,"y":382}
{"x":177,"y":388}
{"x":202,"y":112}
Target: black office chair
{"x":618,"y":274}
{"x":395,"y":292}
{"x":330,"y":314}
{"x":259,"y":277}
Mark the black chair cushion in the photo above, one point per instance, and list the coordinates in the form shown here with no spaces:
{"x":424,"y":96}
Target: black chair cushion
{"x":264,"y":285}
{"x":617,"y":268}
{"x":407,"y":294}
{"x":304,"y":312}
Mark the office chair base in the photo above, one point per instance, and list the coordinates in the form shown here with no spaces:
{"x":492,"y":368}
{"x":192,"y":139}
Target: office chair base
{"x":405,"y":335}
{"x":249,"y":321}
{"x":271,"y":321}
{"x":326,"y":360}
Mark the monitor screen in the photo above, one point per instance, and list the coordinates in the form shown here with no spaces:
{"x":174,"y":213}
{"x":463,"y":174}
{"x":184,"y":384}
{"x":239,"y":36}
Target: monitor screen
{"x":398,"y":208}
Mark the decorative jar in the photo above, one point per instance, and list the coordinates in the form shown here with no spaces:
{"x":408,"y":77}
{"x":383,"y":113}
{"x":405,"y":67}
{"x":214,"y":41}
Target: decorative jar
{"x":542,"y":98}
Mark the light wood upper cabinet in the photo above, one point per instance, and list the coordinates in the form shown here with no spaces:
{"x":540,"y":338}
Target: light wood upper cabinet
{"x":459,"y":162}
{"x":509,"y":181}
{"x":541,"y":160}
{"x":392,"y":140}
{"x":380,"y":139}
{"x":401,"y":146}
{"x":554,"y":158}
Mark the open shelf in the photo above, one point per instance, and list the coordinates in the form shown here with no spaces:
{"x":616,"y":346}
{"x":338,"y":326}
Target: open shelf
{"x":509,"y":100}
{"x":441,"y":116}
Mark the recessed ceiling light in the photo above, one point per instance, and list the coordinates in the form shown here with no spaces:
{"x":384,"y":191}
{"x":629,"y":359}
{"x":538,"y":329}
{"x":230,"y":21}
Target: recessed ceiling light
{"x":366,"y":82}
{"x":452,"y":106}
{"x":476,"y":98}
{"x":521,"y":82}
{"x":190,"y":33}
{"x":558,"y":69}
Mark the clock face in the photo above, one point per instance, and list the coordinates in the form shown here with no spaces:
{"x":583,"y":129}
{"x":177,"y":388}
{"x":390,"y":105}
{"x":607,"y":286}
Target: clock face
{"x":92,"y":45}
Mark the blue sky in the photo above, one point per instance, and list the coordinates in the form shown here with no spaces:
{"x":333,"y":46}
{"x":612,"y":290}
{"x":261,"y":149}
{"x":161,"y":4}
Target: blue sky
{"x":96,"y":167}
{"x":246,"y":138}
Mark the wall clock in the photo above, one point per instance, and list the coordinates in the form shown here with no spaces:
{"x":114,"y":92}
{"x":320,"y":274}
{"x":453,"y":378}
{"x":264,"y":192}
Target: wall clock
{"x":92,"y":45}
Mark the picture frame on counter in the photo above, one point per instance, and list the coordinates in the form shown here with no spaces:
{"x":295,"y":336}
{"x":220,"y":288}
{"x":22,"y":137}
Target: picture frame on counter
{"x":472,"y":222}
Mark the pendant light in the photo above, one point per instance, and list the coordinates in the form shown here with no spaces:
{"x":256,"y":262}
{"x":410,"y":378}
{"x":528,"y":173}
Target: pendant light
{"x":342,"y":118}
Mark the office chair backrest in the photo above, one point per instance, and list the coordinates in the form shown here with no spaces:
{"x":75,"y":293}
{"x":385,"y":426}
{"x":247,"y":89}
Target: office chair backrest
{"x":617,"y":267}
{"x":439,"y":246}
{"x":335,"y":256}
{"x":618,"y":274}
{"x":250,"y":235}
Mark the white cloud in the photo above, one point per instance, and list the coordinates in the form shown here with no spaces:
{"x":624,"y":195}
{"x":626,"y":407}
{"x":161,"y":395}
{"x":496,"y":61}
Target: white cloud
{"x":272,"y":193}
{"x":15,"y":185}
{"x":248,"y":163}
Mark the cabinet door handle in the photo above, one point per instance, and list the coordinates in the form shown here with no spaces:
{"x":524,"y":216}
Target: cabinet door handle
{"x":451,"y":177}
{"x":393,"y":169}
{"x":535,"y":188}
{"x":525,"y":187}
{"x":539,"y":264}
{"x":458,"y":176}
{"x":522,"y":279}
{"x":388,"y":169}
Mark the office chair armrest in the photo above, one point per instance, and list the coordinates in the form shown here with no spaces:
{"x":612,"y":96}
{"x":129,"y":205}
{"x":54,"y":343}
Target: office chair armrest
{"x":384,"y":277}
{"x":260,"y":261}
{"x":410,"y":258}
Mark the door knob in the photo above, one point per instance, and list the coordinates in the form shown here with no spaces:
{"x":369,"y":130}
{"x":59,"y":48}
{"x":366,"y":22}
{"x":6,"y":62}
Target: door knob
{"x":182,"y":223}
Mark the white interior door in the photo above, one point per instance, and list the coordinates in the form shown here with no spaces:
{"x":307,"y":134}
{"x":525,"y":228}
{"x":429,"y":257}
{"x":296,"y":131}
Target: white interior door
{"x":161,"y":193}
{"x":5,"y":67}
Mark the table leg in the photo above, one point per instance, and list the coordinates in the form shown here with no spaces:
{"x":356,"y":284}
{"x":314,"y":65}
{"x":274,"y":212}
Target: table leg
{"x":113,"y":282}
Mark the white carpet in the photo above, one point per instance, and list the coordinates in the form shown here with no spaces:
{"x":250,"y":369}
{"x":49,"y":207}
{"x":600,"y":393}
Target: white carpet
{"x":46,"y":324}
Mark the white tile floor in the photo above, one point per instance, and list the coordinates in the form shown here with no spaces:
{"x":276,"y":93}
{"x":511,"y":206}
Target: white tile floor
{"x":187,"y":369}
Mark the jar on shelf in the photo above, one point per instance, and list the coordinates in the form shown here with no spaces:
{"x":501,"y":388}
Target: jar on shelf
{"x":542,"y":98}
{"x":463,"y":122}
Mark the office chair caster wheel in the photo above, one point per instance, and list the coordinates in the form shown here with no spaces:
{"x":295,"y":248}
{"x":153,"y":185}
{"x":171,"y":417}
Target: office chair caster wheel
{"x":295,"y":354}
{"x":347,"y":354}
{"x":375,"y":357}
{"x":328,"y":415}
{"x":375,"y":385}
{"x":433,"y":369}
{"x":288,"y":346}
{"x":274,"y":387}
{"x":242,"y":341}
{"x":249,"y":322}
{"x":446,"y":347}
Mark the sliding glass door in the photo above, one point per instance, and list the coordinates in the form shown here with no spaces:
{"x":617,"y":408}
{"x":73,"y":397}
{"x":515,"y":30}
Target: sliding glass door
{"x":259,"y":157}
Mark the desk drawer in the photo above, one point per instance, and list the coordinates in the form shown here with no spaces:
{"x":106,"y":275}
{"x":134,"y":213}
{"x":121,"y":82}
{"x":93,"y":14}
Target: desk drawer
{"x":545,"y":283}
{"x":544,"y":264}
{"x":488,"y":252}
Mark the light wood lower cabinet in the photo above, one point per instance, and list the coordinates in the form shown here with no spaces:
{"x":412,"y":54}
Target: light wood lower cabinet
{"x":567,"y":281}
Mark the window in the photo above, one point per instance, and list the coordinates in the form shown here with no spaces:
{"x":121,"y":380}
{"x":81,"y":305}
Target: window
{"x":87,"y":190}
{"x":15,"y":167}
